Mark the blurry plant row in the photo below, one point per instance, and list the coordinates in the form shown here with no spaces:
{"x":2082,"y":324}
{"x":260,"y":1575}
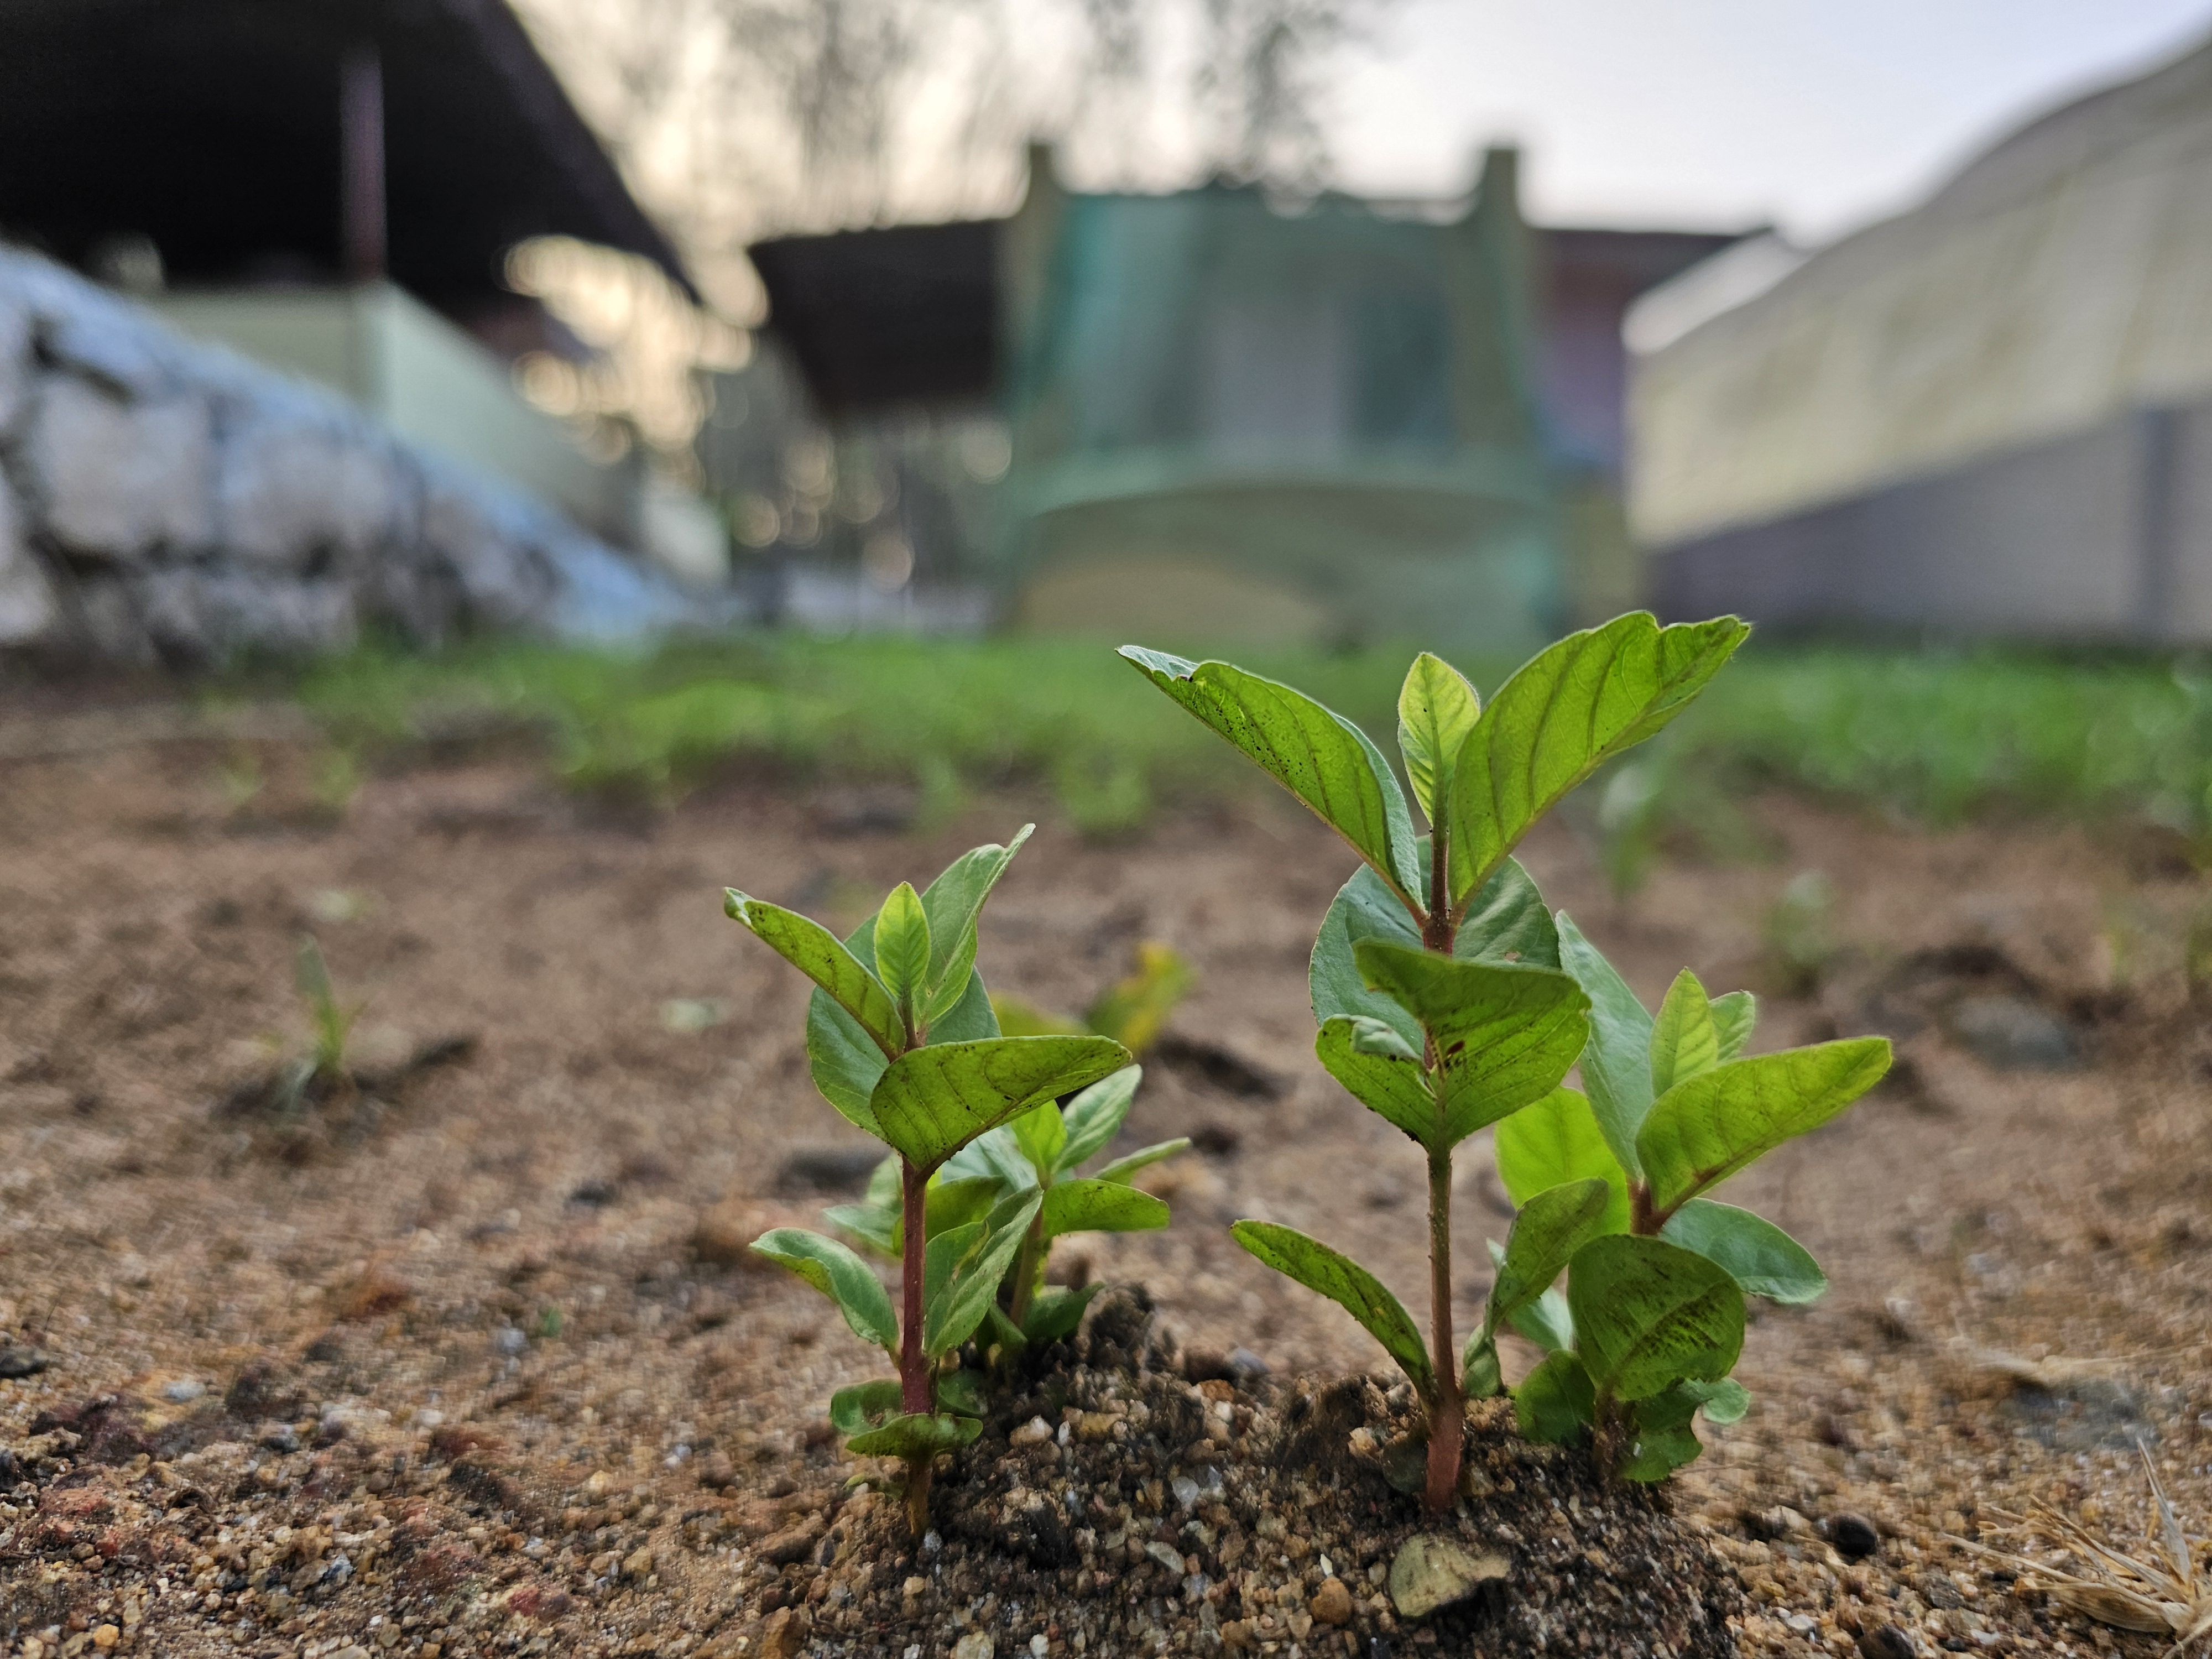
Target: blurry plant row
{"x":1932,"y":736}
{"x":1449,"y":998}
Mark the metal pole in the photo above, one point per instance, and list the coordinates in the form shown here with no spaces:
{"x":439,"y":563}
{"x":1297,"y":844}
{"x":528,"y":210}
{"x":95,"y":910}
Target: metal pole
{"x":361,"y":131}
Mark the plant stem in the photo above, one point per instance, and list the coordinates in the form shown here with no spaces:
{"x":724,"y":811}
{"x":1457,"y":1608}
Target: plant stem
{"x":1641,"y":1220}
{"x":914,"y":1380}
{"x":1025,"y":1268}
{"x":1448,"y":1410}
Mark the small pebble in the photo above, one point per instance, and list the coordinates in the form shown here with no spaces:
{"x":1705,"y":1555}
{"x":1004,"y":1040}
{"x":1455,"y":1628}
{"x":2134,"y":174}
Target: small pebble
{"x":1887,"y":1642}
{"x":973,"y":1646}
{"x":183,"y":1391}
{"x":1035,"y":1433}
{"x":1332,"y":1602}
{"x":510,"y":1341}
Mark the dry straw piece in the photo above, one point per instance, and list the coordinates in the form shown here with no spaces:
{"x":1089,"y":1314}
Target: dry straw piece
{"x":2169,"y":1598}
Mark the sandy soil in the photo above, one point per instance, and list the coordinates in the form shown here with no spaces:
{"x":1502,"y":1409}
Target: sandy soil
{"x":526,"y":1259}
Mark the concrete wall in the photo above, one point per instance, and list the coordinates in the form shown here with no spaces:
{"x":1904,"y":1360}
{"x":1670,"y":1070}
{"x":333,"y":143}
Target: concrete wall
{"x":2103,"y":535}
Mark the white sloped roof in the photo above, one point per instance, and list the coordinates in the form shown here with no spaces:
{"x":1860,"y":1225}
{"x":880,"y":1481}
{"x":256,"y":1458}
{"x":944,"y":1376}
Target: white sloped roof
{"x":2063,"y":277}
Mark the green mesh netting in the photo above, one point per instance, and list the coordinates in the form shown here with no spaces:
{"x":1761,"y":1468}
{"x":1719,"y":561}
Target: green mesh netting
{"x":1238,"y":422}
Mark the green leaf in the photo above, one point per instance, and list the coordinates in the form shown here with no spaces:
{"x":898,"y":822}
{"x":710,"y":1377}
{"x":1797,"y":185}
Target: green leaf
{"x":1323,"y":759}
{"x":1723,"y":1401}
{"x":916,"y":1437}
{"x":961,"y":1289}
{"x":902,"y":951}
{"x":1663,"y":1438}
{"x":1655,"y":1452}
{"x":1551,"y":1227}
{"x":1372,"y":1062}
{"x":950,"y":1204}
{"x":1094,"y":1117}
{"x":1762,"y":1259}
{"x":1617,"y":1065}
{"x":1548,"y":1322}
{"x":996,"y":1158}
{"x":1503,"y":1037}
{"x":1649,"y":1314}
{"x":1101,"y":1207}
{"x":1555,"y":1401}
{"x":1701,"y":1132}
{"x":833,"y":1269}
{"x":1040,"y":1133}
{"x":1133,"y":1008}
{"x":1479,"y":1375}
{"x":1565,"y":712}
{"x":874,"y":1226}
{"x":1054,"y":1315}
{"x":1685,"y":1038}
{"x":864,"y":1405}
{"x":1122,"y":1168}
{"x":953,"y":902}
{"x":1436,"y":709}
{"x":1557,"y":1141}
{"x":932,"y":1101}
{"x":846,"y":1063}
{"x":1733,"y":1015}
{"x":961,"y":1391}
{"x":1019,"y":1017}
{"x":1348,"y":1284}
{"x":1508,"y":924}
{"x":814,"y":950}
{"x":998,"y":1331}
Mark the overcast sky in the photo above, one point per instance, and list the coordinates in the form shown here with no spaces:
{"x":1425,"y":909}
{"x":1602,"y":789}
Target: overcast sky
{"x":1816,"y":114}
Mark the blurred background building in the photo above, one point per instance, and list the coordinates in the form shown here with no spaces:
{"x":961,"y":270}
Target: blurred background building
{"x":1990,"y":416}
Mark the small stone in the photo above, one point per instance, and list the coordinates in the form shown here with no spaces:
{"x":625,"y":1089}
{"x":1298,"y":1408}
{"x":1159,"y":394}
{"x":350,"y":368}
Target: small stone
{"x":1040,"y":1646}
{"x":508,"y":1341}
{"x":1887,"y":1642}
{"x":1167,"y":1555}
{"x":716,"y":1471}
{"x":1431,"y":1572}
{"x":638,"y":1564}
{"x":973,"y":1646}
{"x":1853,"y":1536}
{"x":351,"y":1650}
{"x":1332,"y":1602}
{"x":1185,"y":1490}
{"x":105,"y":1637}
{"x":915,"y":1587}
{"x":784,"y":1635}
{"x":1236,"y":1635}
{"x":1035,"y":1433}
{"x":183,"y":1391}
{"x":17,"y":1361}
{"x":278,"y":1437}
{"x":1094,"y":1427}
{"x":782,"y":1549}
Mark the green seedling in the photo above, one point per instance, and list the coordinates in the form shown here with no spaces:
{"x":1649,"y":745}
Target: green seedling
{"x":1612,"y":1186}
{"x":902,"y":1041}
{"x":1133,"y":1010}
{"x":1436,"y":978}
{"x":1041,"y":1152}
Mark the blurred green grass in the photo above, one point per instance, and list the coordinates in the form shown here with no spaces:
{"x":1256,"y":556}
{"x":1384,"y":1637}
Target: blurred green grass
{"x":1930,"y":737}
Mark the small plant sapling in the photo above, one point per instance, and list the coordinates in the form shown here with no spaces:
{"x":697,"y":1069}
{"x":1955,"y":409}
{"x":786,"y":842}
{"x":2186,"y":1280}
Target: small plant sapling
{"x":902,"y":1041}
{"x":320,"y":1074}
{"x":1653,"y":1316}
{"x":1435,"y":977}
{"x":1132,"y":1010}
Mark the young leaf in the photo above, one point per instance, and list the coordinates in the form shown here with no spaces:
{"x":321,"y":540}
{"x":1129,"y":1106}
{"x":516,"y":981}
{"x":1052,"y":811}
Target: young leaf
{"x":1132,"y":1009}
{"x":1503,"y":1037}
{"x":834,"y":1270}
{"x":953,"y":902}
{"x":1095,"y":1117}
{"x":950,"y":1204}
{"x":1555,"y":1401}
{"x":967,"y":1283}
{"x":873,"y":1224}
{"x":1685,"y":1038}
{"x":1320,"y":757}
{"x":1701,"y":1132}
{"x":1054,"y":1315}
{"x":1561,"y":716}
{"x":1101,"y":1207}
{"x":1548,"y":1322}
{"x":1733,"y":1015}
{"x":902,"y":951}
{"x":995,"y":1160}
{"x":1723,"y":1401}
{"x":862,"y":1406}
{"x":1040,"y":1133}
{"x":1617,"y":1065}
{"x":1664,"y":1440}
{"x":932,"y":1101}
{"x":1122,"y":1168}
{"x":1509,"y":925}
{"x":1019,"y":1017}
{"x":1436,"y":709}
{"x":917,"y":1437}
{"x":846,"y":1062}
{"x":1348,"y":1284}
{"x":1759,"y":1255}
{"x":1372,"y":1062}
{"x":1649,"y":1314}
{"x":1557,"y":1141}
{"x":1551,"y":1227}
{"x":814,"y":950}
{"x":961,"y":1391}
{"x":1479,"y":1375}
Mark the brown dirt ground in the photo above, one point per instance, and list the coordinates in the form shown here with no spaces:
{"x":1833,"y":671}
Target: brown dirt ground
{"x":510,"y":1287}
